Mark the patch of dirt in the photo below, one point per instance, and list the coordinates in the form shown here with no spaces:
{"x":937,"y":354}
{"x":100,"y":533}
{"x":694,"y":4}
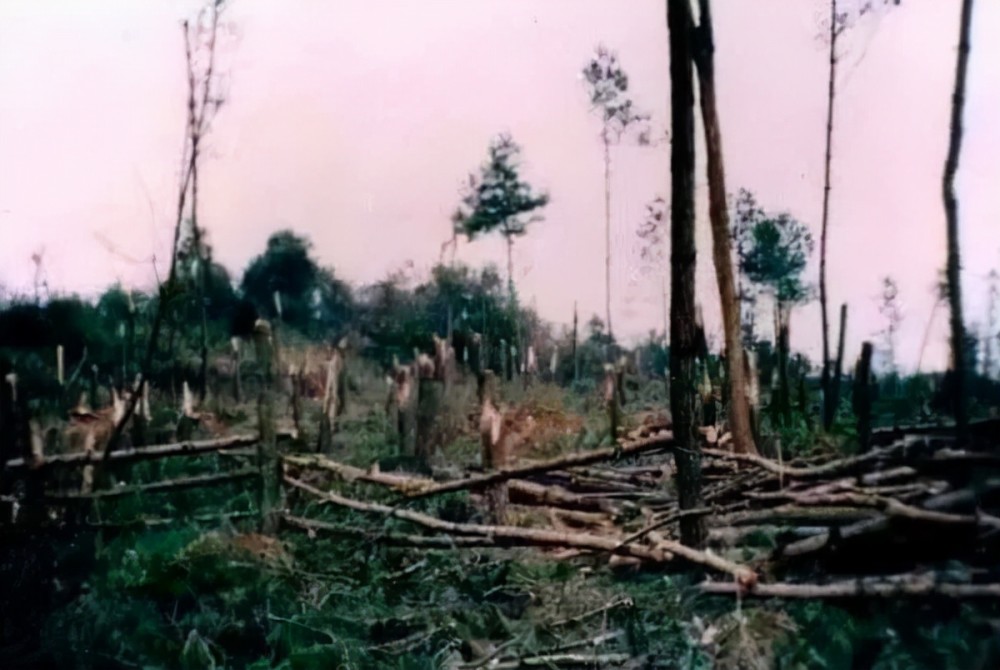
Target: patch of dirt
{"x":267,"y":549}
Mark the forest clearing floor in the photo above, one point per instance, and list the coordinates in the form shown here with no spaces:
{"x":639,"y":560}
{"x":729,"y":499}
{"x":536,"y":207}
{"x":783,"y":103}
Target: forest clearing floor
{"x":366,"y":588}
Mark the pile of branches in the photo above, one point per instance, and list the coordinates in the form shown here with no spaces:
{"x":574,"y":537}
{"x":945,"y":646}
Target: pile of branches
{"x":916,"y":515}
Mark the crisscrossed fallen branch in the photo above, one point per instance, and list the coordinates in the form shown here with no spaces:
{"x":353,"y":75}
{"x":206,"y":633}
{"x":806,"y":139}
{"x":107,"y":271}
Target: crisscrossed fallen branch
{"x":516,"y":536}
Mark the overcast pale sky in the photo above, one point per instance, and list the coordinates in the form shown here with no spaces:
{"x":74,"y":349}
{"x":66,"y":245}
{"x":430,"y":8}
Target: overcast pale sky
{"x":354,"y":122}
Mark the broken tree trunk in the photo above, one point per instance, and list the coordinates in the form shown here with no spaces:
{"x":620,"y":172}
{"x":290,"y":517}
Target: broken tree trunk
{"x":958,"y":362}
{"x":830,"y":406}
{"x":863,"y":397}
{"x":331,"y":401}
{"x":739,"y":408}
{"x":495,"y":450}
{"x":237,"y":381}
{"x":429,"y":396}
{"x":682,"y":263}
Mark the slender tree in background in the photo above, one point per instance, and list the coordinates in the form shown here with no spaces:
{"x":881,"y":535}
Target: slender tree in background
{"x":653,"y":235}
{"x":609,"y":95}
{"x":776,"y":250}
{"x":739,"y":408}
{"x":838,"y":23}
{"x":951,"y":214}
{"x":168,"y":290}
{"x":890,"y":308}
{"x":498,"y":200}
{"x":203,"y":104}
{"x":683,"y":257}
{"x":825,"y":381}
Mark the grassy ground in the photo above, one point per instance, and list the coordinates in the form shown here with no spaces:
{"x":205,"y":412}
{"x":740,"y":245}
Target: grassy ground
{"x":213,"y":594}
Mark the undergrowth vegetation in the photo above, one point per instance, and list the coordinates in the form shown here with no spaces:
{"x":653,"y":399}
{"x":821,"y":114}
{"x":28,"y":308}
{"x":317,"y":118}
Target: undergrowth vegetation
{"x":207,"y":591}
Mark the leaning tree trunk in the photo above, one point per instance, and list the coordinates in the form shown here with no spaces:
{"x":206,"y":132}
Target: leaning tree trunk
{"x":687,"y":453}
{"x":739,"y":408}
{"x":829,"y":395}
{"x":951,"y":212}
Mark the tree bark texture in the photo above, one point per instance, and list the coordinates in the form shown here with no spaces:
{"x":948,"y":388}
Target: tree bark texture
{"x":739,"y":408}
{"x":951,"y":213}
{"x":682,"y":267}
{"x":829,"y":406}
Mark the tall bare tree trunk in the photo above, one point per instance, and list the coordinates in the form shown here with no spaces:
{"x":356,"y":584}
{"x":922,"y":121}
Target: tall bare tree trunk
{"x":951,"y":212}
{"x":829,"y":404}
{"x":607,"y":231}
{"x":739,"y":408}
{"x":838,"y":367}
{"x":687,"y":454}
{"x":202,"y":277}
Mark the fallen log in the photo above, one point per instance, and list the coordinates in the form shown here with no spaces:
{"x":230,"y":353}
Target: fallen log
{"x":519,"y":536}
{"x":525,"y":492}
{"x":348,"y":473}
{"x":676,"y":516}
{"x":389,"y":539}
{"x":187,"y":448}
{"x":538,"y":537}
{"x":732,"y":536}
{"x":889,"y":506}
{"x":840,"y":466}
{"x":567,"y":660}
{"x":522,"y":491}
{"x":798,"y":515}
{"x":156,"y":487}
{"x":662,"y":441}
{"x":945,"y":501}
{"x":857,"y":588}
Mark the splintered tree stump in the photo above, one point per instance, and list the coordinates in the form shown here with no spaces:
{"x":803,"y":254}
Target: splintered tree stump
{"x":495,"y":452}
{"x":333,"y":398}
{"x":429,"y":395}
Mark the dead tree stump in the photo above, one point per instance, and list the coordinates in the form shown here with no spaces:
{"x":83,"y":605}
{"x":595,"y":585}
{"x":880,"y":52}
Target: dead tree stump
{"x":333,"y":398}
{"x":429,"y":396}
{"x":494,"y":450}
{"x":863,"y":397}
{"x":268,"y":459}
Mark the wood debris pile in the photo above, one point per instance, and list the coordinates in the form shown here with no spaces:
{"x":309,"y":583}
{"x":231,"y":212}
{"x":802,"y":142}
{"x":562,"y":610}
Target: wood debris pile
{"x":916,"y":515}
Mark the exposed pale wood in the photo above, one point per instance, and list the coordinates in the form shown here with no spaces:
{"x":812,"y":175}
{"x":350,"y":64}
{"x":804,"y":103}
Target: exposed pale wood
{"x":534,"y":536}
